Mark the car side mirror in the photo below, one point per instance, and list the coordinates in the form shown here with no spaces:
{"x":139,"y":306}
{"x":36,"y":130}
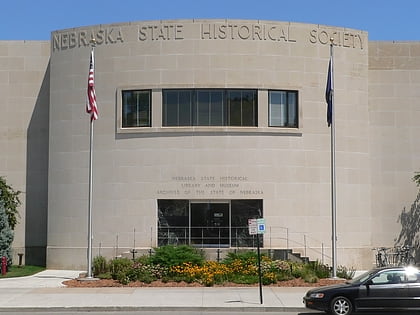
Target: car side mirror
{"x":368,"y":283}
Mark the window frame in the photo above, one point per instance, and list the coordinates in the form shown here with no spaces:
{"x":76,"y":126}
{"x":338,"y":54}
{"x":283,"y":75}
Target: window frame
{"x":288,"y":123}
{"x":149,"y":110}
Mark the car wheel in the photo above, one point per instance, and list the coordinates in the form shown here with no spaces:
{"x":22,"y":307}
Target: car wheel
{"x":341,"y":305}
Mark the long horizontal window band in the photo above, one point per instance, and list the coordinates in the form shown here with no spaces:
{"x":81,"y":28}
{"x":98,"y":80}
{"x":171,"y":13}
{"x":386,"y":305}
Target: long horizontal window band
{"x":210,"y":107}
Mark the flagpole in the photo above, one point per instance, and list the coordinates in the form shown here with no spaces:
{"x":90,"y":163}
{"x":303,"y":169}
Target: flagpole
{"x":89,"y":253}
{"x":333,"y":175}
{"x":89,"y":256}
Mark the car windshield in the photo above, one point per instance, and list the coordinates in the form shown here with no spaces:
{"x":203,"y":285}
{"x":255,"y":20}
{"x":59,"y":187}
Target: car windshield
{"x":362,"y":278}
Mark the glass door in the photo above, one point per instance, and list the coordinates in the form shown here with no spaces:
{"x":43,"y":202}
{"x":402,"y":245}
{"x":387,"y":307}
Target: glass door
{"x":210,"y":222}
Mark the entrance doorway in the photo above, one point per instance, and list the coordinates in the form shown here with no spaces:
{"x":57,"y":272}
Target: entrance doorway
{"x":207,"y":223}
{"x":210,"y":224}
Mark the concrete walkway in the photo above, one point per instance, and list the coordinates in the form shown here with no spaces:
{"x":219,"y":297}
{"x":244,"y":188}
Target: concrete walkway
{"x":45,"y":291}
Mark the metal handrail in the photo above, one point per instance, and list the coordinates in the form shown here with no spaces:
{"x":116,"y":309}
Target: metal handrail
{"x":232,"y":237}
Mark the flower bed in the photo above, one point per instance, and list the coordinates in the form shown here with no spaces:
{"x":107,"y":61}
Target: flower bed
{"x":186,"y":266}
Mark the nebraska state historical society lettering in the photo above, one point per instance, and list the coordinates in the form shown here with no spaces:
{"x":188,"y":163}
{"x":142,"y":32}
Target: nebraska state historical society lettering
{"x":155,"y":32}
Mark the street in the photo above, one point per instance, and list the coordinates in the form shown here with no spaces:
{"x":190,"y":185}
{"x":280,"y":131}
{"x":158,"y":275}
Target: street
{"x":183,"y":312}
{"x":157,"y":312}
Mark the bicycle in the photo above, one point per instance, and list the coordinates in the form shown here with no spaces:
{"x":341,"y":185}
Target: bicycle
{"x":404,"y":255}
{"x":381,"y":256}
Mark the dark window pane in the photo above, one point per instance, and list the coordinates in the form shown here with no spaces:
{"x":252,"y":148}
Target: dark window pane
{"x":248,"y":108}
{"x":235,"y":108}
{"x":217,"y":112}
{"x":170,"y":108}
{"x":203,"y":108}
{"x":185,"y":108}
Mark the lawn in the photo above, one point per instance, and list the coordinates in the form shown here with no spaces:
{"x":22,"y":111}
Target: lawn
{"x":22,"y":271}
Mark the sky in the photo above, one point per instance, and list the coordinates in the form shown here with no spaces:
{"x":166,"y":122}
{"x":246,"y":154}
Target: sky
{"x":383,"y":19}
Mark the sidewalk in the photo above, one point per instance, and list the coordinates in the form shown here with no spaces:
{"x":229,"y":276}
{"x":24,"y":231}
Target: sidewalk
{"x":45,"y":291}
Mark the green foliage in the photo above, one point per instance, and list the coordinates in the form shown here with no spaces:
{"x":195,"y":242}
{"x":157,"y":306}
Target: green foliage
{"x":416,"y":178}
{"x":310,"y":277}
{"x":100,"y":265}
{"x":170,"y":255}
{"x":247,"y":257}
{"x":310,"y":272}
{"x":320,"y":270}
{"x":345,"y":273}
{"x":6,"y":236}
{"x":119,"y":268}
{"x":185,"y":263}
{"x":10,"y":198}
{"x":245,"y":279}
{"x":22,"y":271}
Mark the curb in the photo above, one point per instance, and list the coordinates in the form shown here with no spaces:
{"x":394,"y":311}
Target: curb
{"x":152,"y":308}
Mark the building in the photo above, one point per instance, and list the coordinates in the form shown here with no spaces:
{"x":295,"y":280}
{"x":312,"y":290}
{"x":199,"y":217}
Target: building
{"x":202,"y":125}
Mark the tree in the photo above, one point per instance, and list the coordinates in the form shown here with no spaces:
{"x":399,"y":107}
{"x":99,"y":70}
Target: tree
{"x":416,"y":178}
{"x":6,"y":235}
{"x":410,"y":224}
{"x":11,"y":202}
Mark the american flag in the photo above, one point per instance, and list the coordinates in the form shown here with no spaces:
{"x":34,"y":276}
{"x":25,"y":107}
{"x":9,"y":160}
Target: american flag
{"x":91,"y":106}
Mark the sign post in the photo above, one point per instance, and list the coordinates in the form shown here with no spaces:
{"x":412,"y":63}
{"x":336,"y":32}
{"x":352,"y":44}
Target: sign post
{"x":257,"y":227}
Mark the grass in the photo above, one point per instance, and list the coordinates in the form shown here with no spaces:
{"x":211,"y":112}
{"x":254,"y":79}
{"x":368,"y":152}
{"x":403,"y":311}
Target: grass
{"x":21,"y":271}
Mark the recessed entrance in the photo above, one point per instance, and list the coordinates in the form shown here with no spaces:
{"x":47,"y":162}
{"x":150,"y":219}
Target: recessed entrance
{"x":208,"y":223}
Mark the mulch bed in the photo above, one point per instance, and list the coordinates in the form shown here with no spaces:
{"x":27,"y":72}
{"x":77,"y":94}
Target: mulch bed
{"x":102,"y":283}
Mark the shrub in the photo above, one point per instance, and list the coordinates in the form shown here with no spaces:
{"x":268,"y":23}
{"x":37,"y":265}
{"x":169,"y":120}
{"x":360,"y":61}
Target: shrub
{"x":119,"y":268}
{"x":170,"y":255}
{"x":6,"y":236}
{"x":11,"y":202}
{"x":310,"y":277}
{"x":140,"y":272}
{"x":100,"y":265}
{"x":343,"y":272}
{"x":320,"y":270}
{"x":248,"y":257}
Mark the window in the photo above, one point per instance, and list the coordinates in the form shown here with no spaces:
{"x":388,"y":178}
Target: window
{"x":136,"y":108}
{"x":209,"y":107}
{"x":283,"y":107}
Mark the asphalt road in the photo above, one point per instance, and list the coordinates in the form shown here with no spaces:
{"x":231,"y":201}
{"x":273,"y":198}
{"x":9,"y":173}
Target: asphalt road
{"x":165,"y":313}
{"x":157,"y":312}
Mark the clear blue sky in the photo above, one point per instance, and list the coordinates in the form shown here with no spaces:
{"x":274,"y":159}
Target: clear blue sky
{"x":383,"y":19}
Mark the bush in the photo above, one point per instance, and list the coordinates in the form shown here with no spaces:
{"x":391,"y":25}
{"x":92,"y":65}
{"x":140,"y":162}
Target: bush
{"x":170,"y":256}
{"x":248,"y":257}
{"x":343,"y":272}
{"x":6,"y":236}
{"x":320,"y":270}
{"x":120,"y":267}
{"x":100,"y":265}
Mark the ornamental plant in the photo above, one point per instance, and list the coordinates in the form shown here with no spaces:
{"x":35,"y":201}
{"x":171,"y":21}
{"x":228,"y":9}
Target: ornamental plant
{"x":170,"y":255}
{"x":6,"y":235}
{"x":185,"y":263}
{"x":11,"y":202}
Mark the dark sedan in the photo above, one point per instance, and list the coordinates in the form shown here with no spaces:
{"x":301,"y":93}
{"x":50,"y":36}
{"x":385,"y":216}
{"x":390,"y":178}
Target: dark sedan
{"x":389,"y":289}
